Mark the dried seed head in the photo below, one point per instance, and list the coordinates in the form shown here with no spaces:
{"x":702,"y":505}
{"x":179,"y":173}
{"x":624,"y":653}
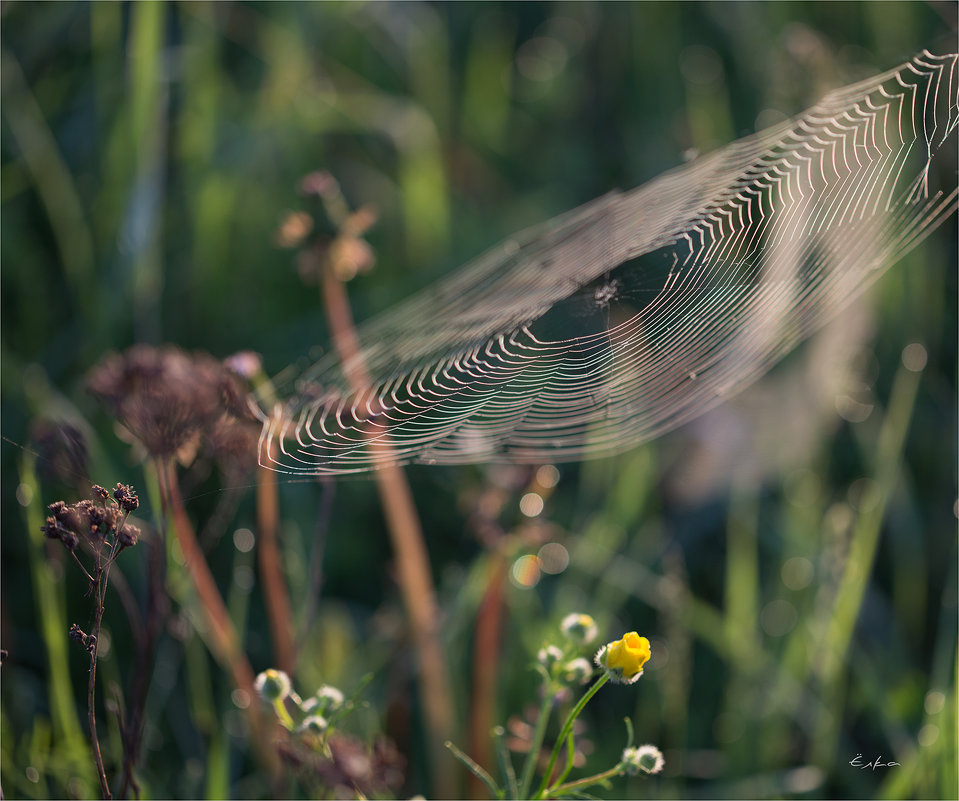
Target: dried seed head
{"x":126,"y":497}
{"x":129,"y":535}
{"x":55,"y":530}
{"x":167,"y":398}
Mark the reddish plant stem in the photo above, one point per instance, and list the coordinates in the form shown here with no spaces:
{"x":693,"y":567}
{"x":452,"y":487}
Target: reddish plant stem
{"x":275,"y":592}
{"x":221,"y":637}
{"x":406,"y":535}
{"x":486,"y":655}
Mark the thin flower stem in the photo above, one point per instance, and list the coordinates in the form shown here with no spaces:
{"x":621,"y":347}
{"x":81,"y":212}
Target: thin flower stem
{"x":80,"y":565}
{"x":283,"y":715}
{"x":91,"y":684}
{"x":570,"y":758}
{"x":567,"y":729}
{"x":506,"y":763}
{"x":562,"y":789}
{"x":476,"y":770}
{"x":538,"y":733}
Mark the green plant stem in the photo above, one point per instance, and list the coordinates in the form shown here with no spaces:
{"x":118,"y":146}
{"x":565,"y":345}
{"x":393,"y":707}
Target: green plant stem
{"x":283,"y":715}
{"x":567,"y":729}
{"x":859,"y":563}
{"x":506,"y":764}
{"x":476,"y":770}
{"x":570,"y":758}
{"x":538,"y":733}
{"x":561,"y":789}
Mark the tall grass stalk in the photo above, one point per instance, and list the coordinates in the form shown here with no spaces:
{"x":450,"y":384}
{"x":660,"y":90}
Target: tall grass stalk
{"x":50,"y":599}
{"x":859,"y":562}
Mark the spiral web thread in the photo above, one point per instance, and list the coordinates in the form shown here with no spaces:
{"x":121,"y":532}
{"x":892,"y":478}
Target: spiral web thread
{"x":620,"y":320}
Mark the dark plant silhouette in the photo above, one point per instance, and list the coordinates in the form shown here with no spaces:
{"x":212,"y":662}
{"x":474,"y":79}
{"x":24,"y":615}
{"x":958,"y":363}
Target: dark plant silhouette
{"x":100,"y":530}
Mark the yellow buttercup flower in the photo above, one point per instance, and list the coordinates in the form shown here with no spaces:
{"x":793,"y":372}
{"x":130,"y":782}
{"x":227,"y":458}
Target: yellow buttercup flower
{"x":624,"y":659}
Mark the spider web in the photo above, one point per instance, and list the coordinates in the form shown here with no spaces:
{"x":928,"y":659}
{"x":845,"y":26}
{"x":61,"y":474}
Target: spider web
{"x":620,"y":320}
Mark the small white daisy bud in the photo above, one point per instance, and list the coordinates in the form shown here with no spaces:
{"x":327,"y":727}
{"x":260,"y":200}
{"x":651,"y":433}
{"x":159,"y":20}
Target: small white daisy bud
{"x":272,"y":685}
{"x":644,"y":759}
{"x":549,"y":656}
{"x":578,"y":670}
{"x":315,"y":724}
{"x":329,"y":697}
{"x":581,"y":629}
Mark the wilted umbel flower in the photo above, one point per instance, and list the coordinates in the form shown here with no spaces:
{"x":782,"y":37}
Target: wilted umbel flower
{"x":644,"y":759}
{"x":169,"y":400}
{"x":623,"y":659}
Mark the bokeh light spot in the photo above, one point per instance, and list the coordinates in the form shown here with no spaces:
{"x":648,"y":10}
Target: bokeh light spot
{"x":547,"y":476}
{"x":531,"y":504}
{"x":24,"y":494}
{"x":526,"y":571}
{"x":935,"y":701}
{"x":797,"y":572}
{"x":553,"y":558}
{"x":244,"y":540}
{"x":778,"y":618}
{"x":928,"y":735}
{"x":243,"y":578}
{"x":914,"y":357}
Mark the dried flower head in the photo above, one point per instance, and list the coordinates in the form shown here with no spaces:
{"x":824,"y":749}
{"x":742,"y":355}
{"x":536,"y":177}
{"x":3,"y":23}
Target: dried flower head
{"x":126,"y":497}
{"x":623,"y":659}
{"x":129,"y":535}
{"x":55,"y":530}
{"x":166,"y":398}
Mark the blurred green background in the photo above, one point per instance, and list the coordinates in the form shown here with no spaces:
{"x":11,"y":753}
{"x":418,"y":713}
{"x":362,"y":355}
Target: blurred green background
{"x":150,"y":151}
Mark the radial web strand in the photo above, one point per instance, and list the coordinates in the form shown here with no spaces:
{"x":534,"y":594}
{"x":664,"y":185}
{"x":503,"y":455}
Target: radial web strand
{"x":620,"y":320}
